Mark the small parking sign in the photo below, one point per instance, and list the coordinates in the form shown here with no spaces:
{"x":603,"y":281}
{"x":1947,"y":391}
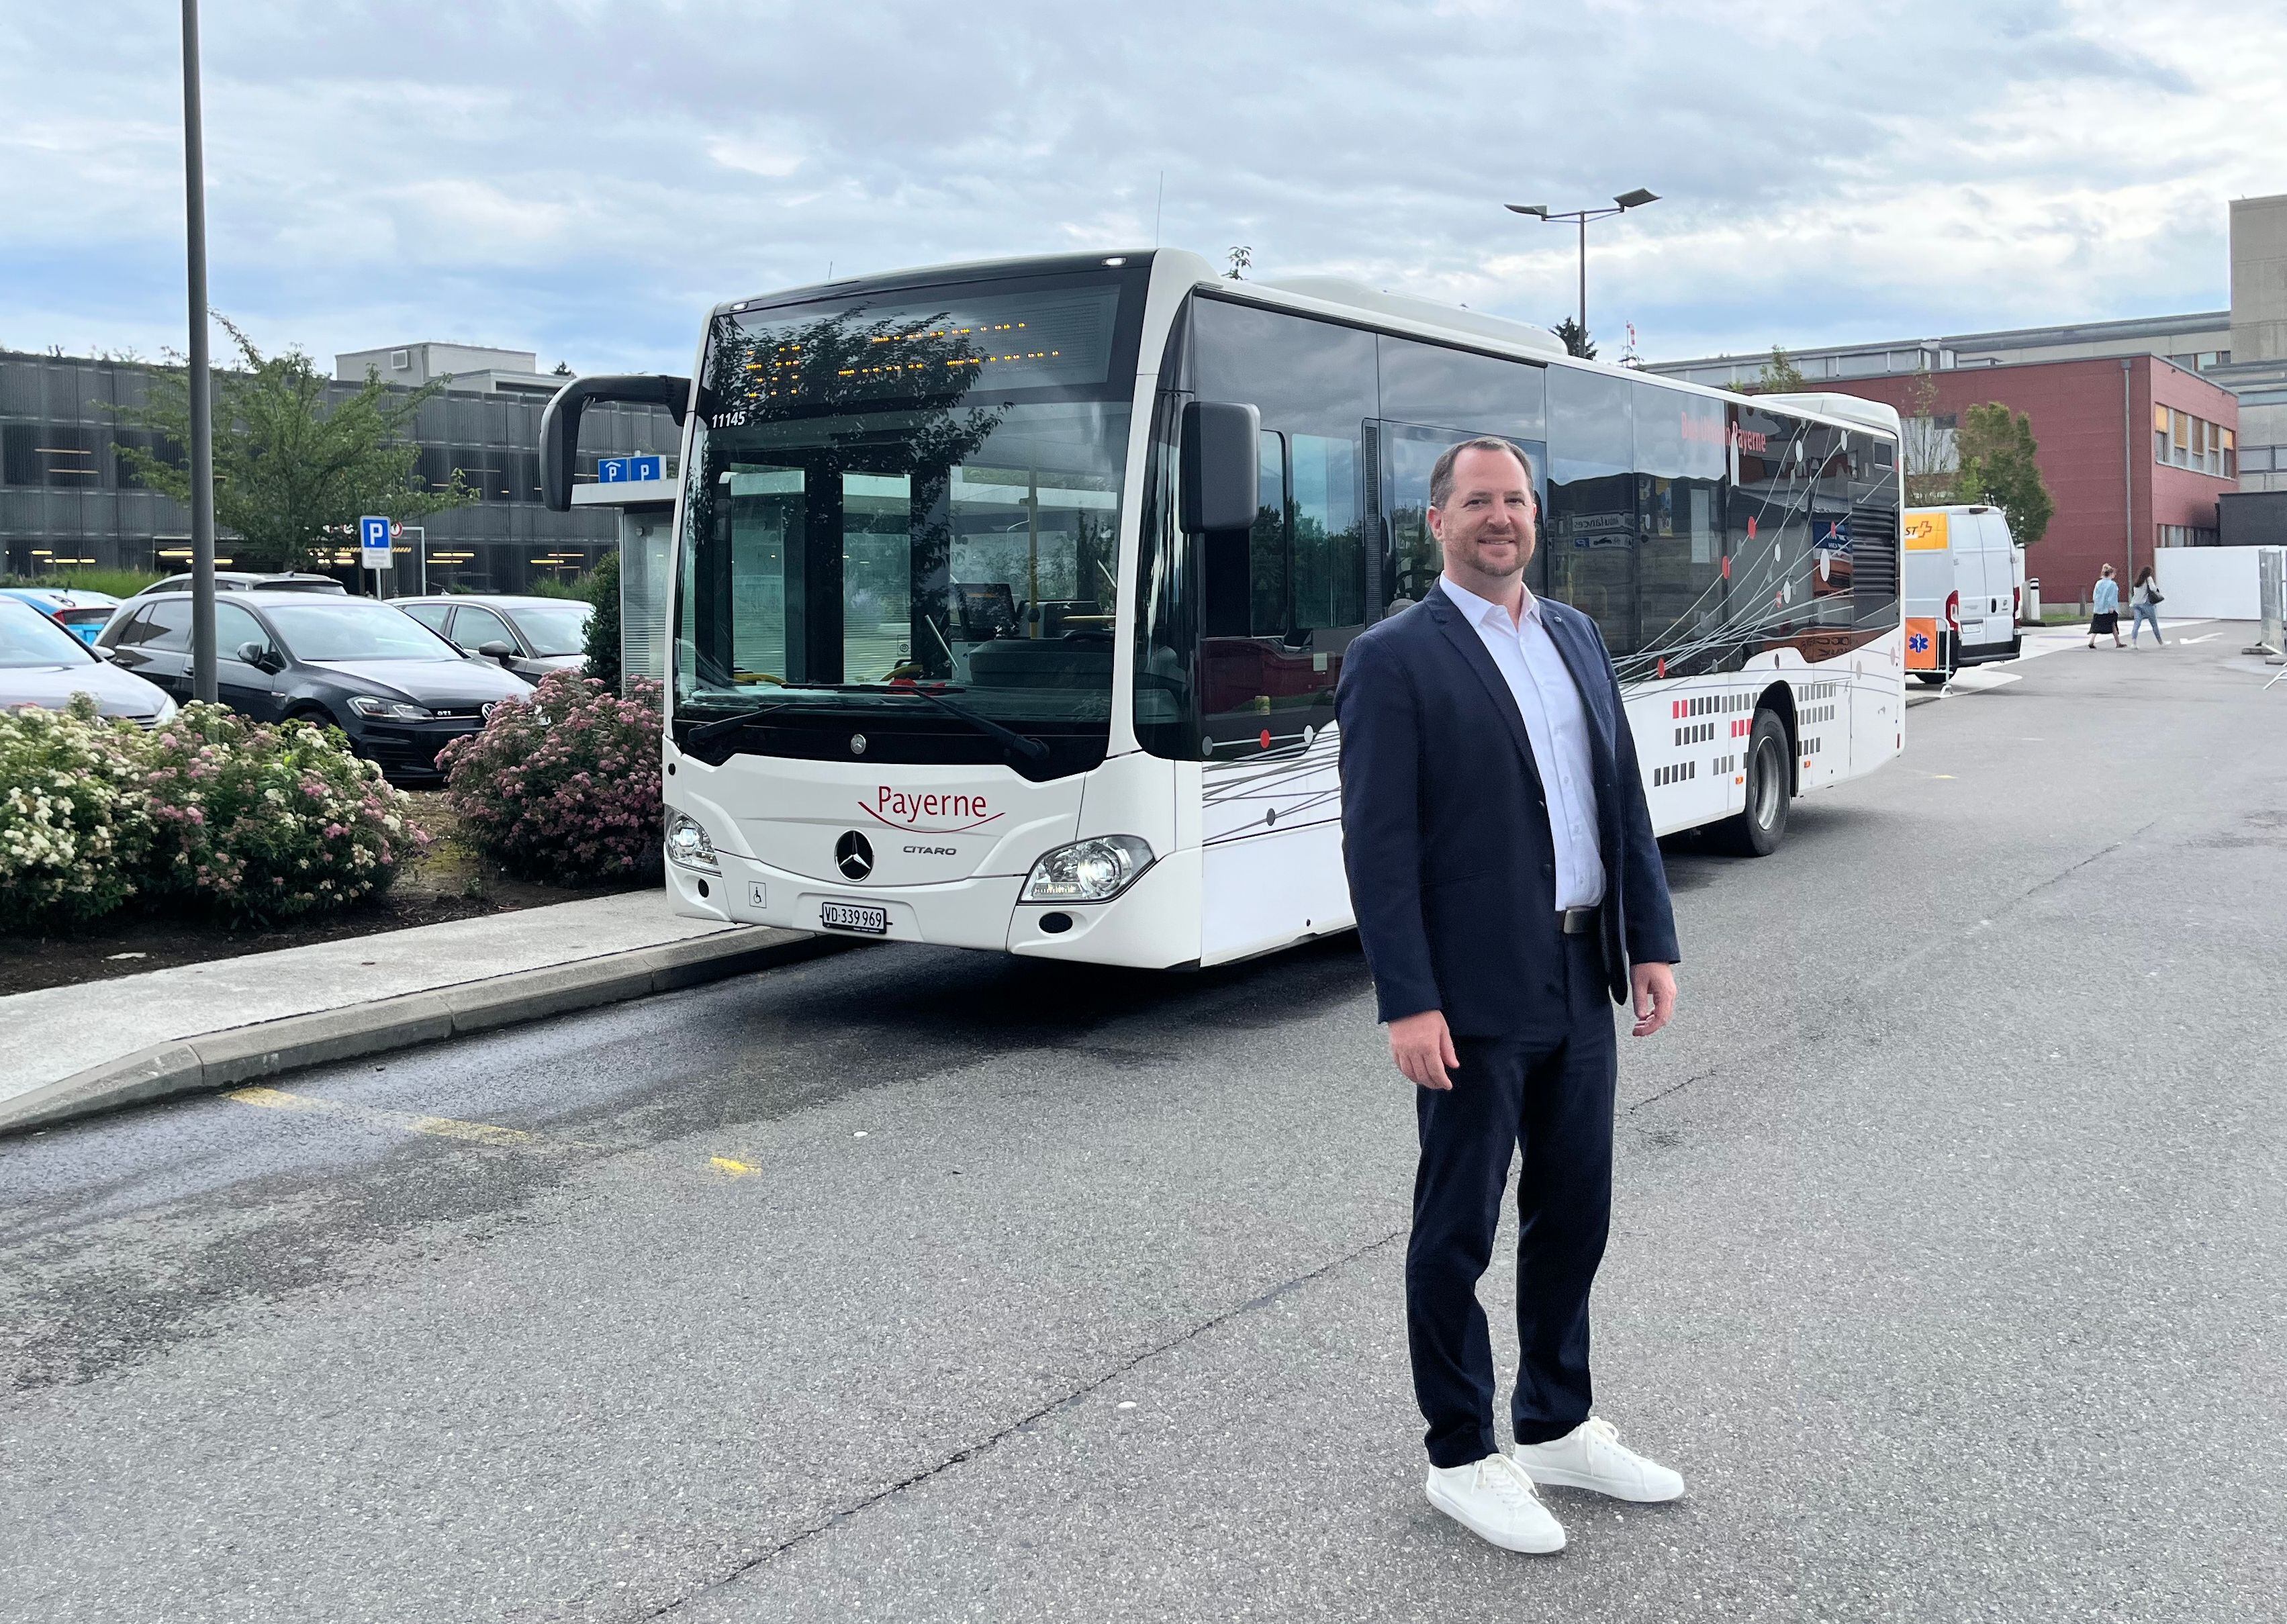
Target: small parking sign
{"x":373,"y":542}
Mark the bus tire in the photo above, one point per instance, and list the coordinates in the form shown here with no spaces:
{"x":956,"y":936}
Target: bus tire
{"x":1756,"y":832}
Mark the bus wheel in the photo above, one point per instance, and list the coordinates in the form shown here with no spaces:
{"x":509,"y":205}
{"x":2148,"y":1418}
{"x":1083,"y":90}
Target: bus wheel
{"x":1756,"y":832}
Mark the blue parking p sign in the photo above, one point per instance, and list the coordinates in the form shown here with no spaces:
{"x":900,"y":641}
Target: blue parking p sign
{"x":373,"y":542}
{"x":619,"y":470}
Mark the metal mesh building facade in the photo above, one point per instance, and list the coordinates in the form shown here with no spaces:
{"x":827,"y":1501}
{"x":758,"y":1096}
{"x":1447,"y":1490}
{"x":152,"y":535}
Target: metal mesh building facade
{"x":67,"y":499}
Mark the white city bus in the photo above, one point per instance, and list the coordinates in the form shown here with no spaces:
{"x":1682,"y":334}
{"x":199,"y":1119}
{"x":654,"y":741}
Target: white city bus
{"x":1009,"y":599}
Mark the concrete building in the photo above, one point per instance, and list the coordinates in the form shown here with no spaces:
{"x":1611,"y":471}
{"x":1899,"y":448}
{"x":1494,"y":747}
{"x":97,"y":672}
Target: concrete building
{"x":2257,"y":369}
{"x":468,"y":369}
{"x":67,"y":499}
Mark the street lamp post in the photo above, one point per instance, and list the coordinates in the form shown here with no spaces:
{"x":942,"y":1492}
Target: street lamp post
{"x":202,"y":545}
{"x":1621,"y":204}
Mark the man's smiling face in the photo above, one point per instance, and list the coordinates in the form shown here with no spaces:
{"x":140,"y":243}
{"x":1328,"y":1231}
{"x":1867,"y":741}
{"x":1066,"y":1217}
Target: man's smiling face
{"x":1485,"y":526}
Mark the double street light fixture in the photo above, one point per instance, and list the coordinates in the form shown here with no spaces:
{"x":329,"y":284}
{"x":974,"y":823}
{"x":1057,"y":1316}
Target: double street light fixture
{"x":1621,"y":204}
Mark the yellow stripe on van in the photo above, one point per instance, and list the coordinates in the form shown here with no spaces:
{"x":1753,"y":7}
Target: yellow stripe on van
{"x":1926,"y":533}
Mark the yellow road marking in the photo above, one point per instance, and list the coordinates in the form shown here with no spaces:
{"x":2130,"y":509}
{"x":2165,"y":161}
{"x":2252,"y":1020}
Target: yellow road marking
{"x":444,"y":1127}
{"x":412,"y":1122}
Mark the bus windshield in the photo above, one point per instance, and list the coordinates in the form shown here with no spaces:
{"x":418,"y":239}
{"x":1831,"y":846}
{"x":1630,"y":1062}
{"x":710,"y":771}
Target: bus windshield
{"x":919,"y":487}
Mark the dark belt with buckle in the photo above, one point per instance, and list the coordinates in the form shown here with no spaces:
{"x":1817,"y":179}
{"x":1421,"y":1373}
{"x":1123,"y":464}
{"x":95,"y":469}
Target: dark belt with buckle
{"x":1576,"y":921}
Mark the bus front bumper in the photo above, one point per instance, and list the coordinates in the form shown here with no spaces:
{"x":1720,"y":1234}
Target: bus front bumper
{"x":1153,"y":923}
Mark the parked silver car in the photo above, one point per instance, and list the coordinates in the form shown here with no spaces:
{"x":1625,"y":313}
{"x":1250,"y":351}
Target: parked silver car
{"x":43,"y":664}
{"x":531,"y":636}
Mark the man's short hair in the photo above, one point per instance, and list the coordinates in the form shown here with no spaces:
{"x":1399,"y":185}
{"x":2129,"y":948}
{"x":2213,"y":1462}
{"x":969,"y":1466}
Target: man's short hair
{"x":1441,"y":476}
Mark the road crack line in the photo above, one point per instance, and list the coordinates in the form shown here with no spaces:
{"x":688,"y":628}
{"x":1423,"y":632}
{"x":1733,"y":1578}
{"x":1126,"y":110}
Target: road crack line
{"x":1860,"y":994}
{"x":1026,"y":1423}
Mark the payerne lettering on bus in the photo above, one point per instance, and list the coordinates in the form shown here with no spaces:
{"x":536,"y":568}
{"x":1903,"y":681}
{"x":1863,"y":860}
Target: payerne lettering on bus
{"x":946,"y":811}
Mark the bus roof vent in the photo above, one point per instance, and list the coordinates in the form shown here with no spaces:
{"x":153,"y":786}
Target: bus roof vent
{"x":1426,"y":312}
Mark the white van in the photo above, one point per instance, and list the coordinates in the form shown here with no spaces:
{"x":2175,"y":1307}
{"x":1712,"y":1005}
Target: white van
{"x":1962,"y":571}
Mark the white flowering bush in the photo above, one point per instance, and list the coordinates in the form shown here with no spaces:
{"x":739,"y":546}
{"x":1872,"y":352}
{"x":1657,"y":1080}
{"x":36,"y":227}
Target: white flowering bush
{"x":259,"y":821}
{"x":74,"y":830}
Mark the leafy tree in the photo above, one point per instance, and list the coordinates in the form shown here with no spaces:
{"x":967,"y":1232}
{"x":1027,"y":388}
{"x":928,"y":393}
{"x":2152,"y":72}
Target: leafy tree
{"x":1933,"y":463}
{"x":1242,"y":260}
{"x":1575,"y":339}
{"x":1779,"y":376}
{"x":1999,"y":466}
{"x":290,"y":463}
{"x":602,"y":588}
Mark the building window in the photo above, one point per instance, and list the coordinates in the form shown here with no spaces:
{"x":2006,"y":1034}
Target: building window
{"x":51,"y":455}
{"x":2181,"y":440}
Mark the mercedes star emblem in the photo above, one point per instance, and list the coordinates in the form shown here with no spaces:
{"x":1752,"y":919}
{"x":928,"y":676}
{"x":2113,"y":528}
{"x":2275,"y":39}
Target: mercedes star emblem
{"x":853,"y":853}
{"x":857,"y":743}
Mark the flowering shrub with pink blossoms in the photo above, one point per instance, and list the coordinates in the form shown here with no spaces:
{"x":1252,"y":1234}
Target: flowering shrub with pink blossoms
{"x":261,"y":822}
{"x":73,"y":823}
{"x":563,"y":785}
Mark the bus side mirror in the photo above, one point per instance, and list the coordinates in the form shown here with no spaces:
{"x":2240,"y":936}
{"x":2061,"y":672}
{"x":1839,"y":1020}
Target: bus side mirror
{"x":1219,"y":470}
{"x":560,"y":425}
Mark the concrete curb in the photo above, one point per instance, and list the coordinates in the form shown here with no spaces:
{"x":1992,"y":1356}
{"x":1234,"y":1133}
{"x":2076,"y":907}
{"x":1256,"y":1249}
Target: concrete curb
{"x":241,"y":1055}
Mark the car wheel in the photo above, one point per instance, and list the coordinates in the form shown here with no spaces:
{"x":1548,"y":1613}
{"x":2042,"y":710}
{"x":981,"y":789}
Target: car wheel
{"x":319,"y":716}
{"x":1933,"y":678}
{"x":1756,"y":832}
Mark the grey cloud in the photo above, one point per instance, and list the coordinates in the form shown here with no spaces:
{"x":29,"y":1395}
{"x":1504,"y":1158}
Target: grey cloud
{"x":584,"y":178}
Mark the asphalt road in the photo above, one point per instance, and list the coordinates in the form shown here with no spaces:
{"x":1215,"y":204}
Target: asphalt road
{"x":909,"y":1284}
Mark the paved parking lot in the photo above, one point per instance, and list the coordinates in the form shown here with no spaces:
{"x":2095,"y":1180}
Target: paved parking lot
{"x":918,"y":1285}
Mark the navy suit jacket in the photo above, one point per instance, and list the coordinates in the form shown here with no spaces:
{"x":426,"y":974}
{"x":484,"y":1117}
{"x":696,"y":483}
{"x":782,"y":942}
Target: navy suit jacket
{"x":1445,"y":837}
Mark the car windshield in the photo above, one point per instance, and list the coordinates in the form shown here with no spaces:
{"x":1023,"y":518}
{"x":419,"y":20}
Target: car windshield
{"x":923,"y":486}
{"x":29,"y":638}
{"x":355,"y":629}
{"x":554,"y":628}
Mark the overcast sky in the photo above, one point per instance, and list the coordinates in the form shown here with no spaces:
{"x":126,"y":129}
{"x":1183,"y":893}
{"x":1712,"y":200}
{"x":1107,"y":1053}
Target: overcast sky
{"x":584,"y":177}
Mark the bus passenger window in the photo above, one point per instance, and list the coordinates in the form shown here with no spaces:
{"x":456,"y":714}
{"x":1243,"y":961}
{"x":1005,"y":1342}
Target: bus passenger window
{"x":1680,"y":466}
{"x":1590,"y":533}
{"x":1327,"y":539}
{"x":1271,"y":649}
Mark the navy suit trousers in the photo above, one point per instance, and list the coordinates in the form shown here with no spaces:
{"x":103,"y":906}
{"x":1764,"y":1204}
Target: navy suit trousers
{"x":1547,"y":1091}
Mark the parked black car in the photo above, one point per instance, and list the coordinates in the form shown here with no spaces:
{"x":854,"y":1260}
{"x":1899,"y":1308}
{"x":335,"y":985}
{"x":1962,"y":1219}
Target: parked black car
{"x":399,"y":690}
{"x":532,"y":636}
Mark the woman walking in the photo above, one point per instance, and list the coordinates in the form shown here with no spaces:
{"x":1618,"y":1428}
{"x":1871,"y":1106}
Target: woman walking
{"x":2106,"y":606}
{"x":2145,"y":600}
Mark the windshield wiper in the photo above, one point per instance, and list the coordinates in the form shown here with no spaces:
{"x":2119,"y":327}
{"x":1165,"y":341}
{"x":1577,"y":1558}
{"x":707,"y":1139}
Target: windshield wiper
{"x":708,"y":732}
{"x":1030,"y":748}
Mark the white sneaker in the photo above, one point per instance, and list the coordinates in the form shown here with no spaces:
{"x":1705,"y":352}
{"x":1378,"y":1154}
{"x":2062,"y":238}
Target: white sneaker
{"x":1495,"y":1500}
{"x":1591,"y":1456}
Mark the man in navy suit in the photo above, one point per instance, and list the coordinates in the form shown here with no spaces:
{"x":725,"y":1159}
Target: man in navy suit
{"x":1509,"y":891}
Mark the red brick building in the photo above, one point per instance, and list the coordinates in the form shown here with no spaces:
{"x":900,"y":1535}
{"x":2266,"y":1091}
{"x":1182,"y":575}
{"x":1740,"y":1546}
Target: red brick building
{"x":2176,"y":431}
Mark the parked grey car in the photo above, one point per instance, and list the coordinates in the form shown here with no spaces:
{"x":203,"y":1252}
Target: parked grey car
{"x":43,"y":664}
{"x":532,"y":636}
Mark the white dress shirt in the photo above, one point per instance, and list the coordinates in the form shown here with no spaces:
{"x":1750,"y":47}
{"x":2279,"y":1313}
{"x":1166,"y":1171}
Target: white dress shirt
{"x":1542,"y":686}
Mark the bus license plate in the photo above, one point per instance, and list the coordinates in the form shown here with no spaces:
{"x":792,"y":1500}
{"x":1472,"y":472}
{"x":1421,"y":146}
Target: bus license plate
{"x":854,"y":916}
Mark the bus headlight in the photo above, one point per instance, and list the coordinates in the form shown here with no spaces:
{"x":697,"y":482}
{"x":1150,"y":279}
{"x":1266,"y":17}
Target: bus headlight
{"x":688,"y":845}
{"x":1093,"y":870}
